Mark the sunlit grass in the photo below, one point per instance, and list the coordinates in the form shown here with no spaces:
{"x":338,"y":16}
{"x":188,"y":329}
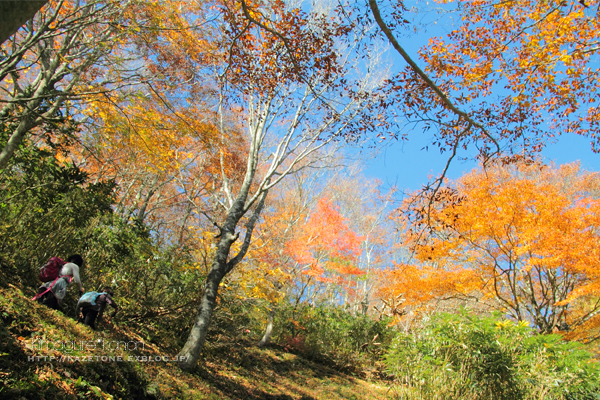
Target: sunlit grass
{"x":238,"y":370}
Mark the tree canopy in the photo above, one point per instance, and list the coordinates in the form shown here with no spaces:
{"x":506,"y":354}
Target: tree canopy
{"x":211,"y":142}
{"x":521,"y":238}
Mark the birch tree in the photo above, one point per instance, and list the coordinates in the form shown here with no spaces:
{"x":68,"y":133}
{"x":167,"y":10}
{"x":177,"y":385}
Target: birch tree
{"x":293,"y":73}
{"x":42,"y":66}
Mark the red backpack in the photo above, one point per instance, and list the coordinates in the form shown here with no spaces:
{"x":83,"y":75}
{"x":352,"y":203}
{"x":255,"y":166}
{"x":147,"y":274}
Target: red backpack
{"x":51,"y":270}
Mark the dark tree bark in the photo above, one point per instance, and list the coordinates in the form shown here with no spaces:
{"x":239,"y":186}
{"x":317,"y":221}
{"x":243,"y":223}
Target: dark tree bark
{"x":13,"y":14}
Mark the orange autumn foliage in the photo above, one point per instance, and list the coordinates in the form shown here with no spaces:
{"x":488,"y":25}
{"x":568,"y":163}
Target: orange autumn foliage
{"x":166,"y":161}
{"x":524,"y":238}
{"x":537,"y":57}
{"x":415,"y":285}
{"x":325,"y":246}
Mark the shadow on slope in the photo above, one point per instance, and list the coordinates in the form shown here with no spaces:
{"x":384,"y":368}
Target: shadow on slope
{"x":45,"y":354}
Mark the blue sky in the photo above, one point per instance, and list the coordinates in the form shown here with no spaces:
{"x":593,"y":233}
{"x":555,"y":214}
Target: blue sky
{"x":408,"y":167}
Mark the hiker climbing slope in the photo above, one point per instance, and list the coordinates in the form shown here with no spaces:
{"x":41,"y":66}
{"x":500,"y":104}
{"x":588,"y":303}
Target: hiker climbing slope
{"x":53,"y":292}
{"x":93,"y":304}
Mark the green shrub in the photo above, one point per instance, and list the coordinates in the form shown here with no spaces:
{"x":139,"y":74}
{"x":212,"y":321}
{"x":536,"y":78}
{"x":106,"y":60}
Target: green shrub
{"x":354,"y":343}
{"x":50,"y":208}
{"x":45,"y":207}
{"x":463,"y":356}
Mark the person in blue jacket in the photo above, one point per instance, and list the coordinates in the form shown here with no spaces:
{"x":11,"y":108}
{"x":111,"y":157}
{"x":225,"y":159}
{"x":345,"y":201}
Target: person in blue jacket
{"x":88,"y":312}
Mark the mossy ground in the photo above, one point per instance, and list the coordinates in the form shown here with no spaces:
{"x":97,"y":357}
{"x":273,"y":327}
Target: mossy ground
{"x":33,"y":339}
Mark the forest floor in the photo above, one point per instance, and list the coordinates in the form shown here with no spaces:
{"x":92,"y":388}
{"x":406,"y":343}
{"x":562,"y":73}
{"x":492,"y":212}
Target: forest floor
{"x":44,"y":354}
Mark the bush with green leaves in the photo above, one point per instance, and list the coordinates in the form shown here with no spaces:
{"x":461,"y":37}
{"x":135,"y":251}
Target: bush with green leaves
{"x":153,"y":286}
{"x":45,"y":206}
{"x":51,"y":208}
{"x":465,"y":356}
{"x":333,"y":335}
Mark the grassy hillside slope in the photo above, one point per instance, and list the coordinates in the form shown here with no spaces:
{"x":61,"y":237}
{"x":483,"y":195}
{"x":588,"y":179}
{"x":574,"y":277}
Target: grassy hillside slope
{"x":44,"y":354}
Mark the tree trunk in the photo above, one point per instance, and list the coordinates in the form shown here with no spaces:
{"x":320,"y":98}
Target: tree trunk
{"x":266,"y":339}
{"x":13,"y":14}
{"x":195,"y":342}
{"x":15,"y":140}
{"x":190,"y":353}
